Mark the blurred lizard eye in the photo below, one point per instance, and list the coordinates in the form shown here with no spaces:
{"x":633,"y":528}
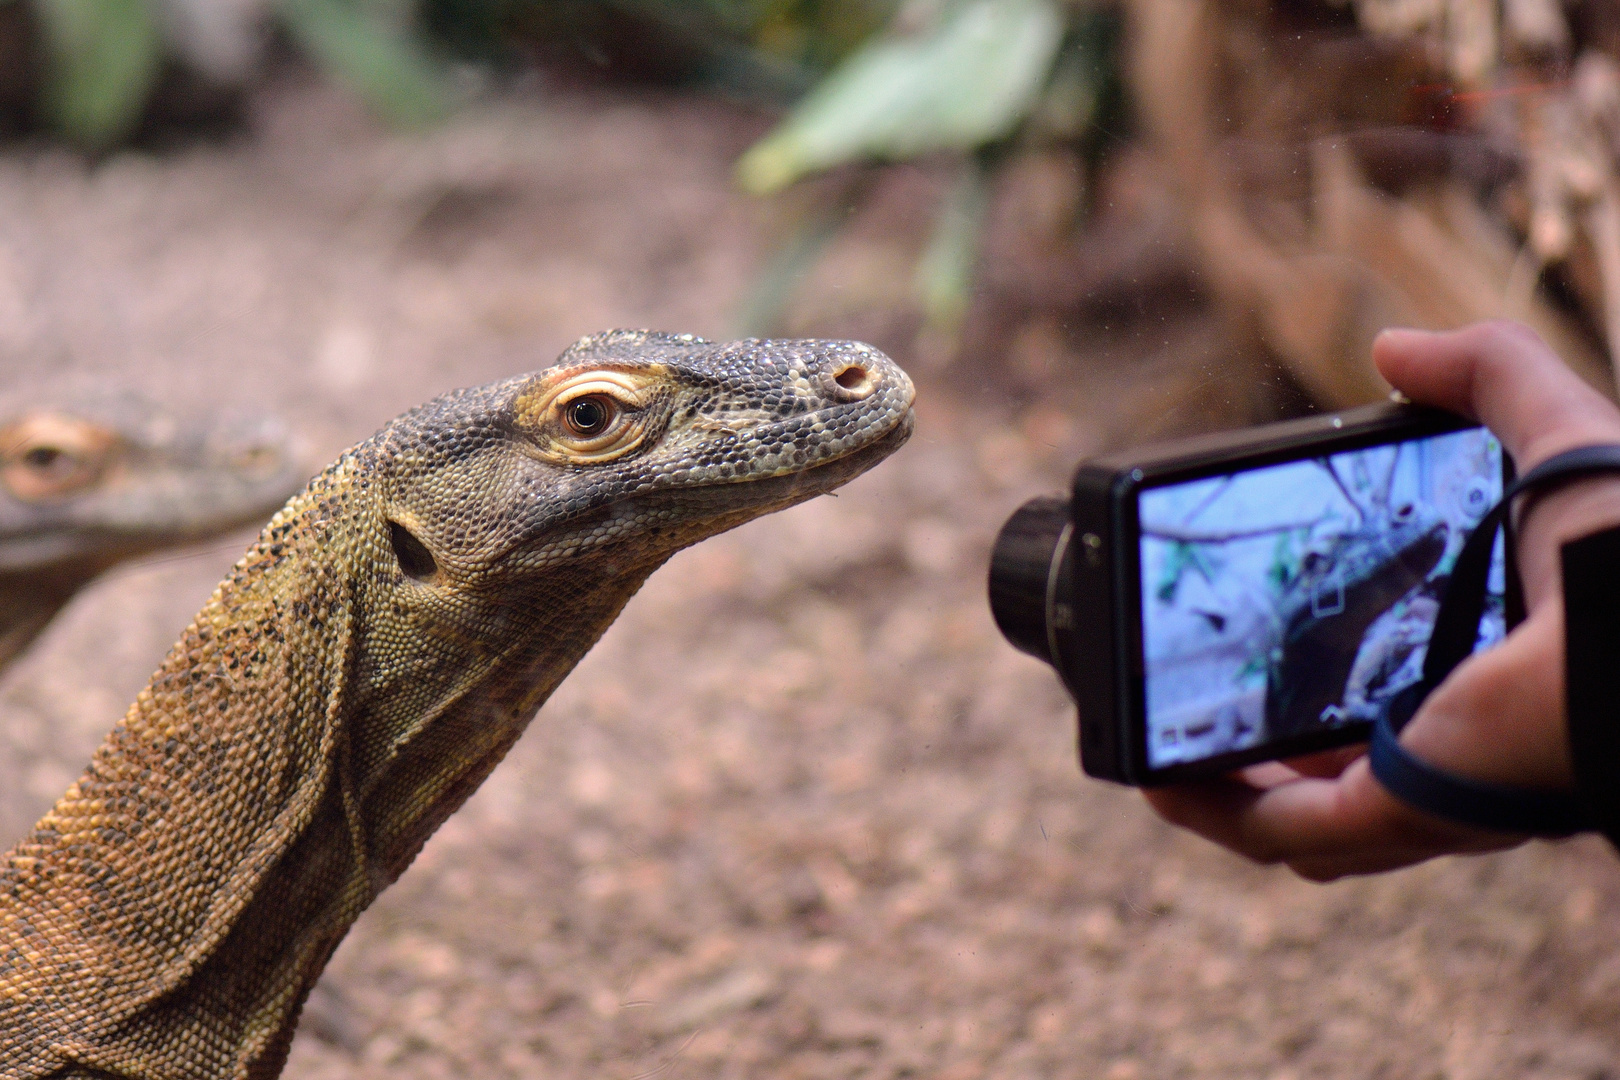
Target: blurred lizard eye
{"x":47,"y":457}
{"x":589,"y":416}
{"x":43,"y":457}
{"x":257,"y":460}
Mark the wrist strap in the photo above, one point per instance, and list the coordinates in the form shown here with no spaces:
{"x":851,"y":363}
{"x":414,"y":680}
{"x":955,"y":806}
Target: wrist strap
{"x":1456,"y":631}
{"x":1471,"y":802}
{"x":1591,"y":567}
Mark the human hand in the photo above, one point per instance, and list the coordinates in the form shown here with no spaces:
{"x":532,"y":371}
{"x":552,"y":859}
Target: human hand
{"x":1500,"y":716}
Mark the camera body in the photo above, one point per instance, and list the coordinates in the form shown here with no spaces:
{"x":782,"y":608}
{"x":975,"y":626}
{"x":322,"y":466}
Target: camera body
{"x":1246,"y":596}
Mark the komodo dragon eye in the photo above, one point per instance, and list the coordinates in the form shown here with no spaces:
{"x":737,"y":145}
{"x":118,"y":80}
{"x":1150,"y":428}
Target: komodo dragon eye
{"x":587,"y":416}
{"x":48,"y":456}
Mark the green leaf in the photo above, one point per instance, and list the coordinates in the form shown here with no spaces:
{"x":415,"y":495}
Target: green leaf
{"x":103,"y":58}
{"x":968,"y":83}
{"x":384,"y":65}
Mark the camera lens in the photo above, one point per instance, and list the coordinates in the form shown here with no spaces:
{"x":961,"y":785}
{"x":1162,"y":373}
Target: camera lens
{"x":1030,"y":576}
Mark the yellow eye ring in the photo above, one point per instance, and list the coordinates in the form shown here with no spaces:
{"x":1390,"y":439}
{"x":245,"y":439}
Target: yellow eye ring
{"x":588,"y":416}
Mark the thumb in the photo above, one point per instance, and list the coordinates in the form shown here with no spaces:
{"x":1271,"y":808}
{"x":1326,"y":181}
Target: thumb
{"x":1503,"y":375}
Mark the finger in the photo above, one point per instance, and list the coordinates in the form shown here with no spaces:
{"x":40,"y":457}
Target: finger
{"x":1303,"y":818}
{"x":1327,"y":764}
{"x":1499,"y":718}
{"x":1324,"y":764}
{"x":1324,"y":868}
{"x":1318,"y":817}
{"x":1322,"y":828}
{"x":1211,"y":809}
{"x":1438,"y":838}
{"x":1505,"y":376}
{"x":1267,"y":774}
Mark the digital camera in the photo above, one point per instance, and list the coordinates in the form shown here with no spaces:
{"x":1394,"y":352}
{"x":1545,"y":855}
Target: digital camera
{"x":1248,"y":596}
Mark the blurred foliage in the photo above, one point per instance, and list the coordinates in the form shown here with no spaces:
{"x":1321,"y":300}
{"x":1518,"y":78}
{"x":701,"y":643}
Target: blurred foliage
{"x":969,"y":82}
{"x":819,"y":226}
{"x":873,"y":81}
{"x":103,"y":58}
{"x":379,"y":57}
{"x":811,"y":34}
{"x":762,"y":50}
{"x":944,"y":277}
{"x":981,"y":79}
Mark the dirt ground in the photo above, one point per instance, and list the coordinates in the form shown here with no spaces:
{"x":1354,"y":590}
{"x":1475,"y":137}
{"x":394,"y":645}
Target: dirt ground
{"x":801,"y":813}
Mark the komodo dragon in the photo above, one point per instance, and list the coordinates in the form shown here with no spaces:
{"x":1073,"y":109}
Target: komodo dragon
{"x":91,"y":476}
{"x":365,"y":666}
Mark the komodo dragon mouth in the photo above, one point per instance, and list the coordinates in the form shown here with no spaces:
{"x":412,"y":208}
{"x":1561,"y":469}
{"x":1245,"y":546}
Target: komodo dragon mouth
{"x":790,"y":485}
{"x":368,"y":662}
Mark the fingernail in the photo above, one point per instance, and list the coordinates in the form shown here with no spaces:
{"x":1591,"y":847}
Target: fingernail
{"x":1404,"y":332}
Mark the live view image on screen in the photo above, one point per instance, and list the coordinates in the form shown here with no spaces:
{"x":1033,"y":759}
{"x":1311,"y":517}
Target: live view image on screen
{"x":1280,"y":600}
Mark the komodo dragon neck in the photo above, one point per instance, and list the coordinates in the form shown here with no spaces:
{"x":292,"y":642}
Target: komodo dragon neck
{"x":94,"y":474}
{"x":367,"y":664}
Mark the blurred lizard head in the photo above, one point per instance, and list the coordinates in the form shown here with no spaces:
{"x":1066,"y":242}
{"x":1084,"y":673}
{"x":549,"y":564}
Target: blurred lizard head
{"x":93,"y":475}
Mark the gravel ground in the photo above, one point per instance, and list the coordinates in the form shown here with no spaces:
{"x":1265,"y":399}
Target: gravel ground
{"x":801,"y":813}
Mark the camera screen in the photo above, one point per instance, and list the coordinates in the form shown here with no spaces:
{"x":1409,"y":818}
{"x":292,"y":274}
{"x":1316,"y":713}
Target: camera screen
{"x":1286,"y":599}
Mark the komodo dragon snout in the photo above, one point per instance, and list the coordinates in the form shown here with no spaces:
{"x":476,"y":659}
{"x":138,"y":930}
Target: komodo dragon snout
{"x":366,"y":665}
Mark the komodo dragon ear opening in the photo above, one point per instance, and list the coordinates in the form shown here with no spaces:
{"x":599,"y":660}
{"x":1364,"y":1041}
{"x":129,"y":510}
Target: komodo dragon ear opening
{"x":414,"y":557}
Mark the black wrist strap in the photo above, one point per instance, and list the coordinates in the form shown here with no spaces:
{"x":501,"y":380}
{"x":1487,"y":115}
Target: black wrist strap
{"x":1456,"y":631}
{"x":1591,"y":567}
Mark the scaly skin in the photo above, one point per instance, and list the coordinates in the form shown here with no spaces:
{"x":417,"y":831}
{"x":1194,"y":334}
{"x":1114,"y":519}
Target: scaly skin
{"x":93,"y":475}
{"x":366,"y":665}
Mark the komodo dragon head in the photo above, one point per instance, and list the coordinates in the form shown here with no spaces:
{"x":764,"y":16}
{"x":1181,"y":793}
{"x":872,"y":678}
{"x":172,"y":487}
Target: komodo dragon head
{"x":1326,"y":611}
{"x":93,"y":475}
{"x":366,"y":665}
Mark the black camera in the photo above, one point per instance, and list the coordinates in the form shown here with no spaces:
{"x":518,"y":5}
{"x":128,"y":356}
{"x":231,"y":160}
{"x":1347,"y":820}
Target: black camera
{"x":1248,"y":596}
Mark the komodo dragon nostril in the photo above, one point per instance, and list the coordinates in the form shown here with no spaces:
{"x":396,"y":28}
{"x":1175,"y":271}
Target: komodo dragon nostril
{"x":856,"y":379}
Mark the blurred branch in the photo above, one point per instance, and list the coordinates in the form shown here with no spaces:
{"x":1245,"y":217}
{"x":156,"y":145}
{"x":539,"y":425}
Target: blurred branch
{"x":944,"y":279}
{"x":983,"y":80}
{"x":761,"y":312}
{"x":1180,"y":535}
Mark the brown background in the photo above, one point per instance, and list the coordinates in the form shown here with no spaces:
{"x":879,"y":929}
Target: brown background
{"x":802,"y":812}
